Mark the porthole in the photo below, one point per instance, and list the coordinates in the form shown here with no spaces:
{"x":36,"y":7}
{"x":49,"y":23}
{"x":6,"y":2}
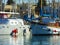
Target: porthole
{"x":13,"y":22}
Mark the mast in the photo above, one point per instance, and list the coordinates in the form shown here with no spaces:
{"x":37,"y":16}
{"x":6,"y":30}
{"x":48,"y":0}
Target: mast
{"x":41,"y":11}
{"x":53,"y":6}
{"x":41,"y":4}
{"x":49,"y":8}
{"x":29,"y":9}
{"x":34,"y":7}
{"x":58,"y":9}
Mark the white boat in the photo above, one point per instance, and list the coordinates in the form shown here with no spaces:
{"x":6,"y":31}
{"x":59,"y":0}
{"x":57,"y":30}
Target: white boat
{"x":10,"y":21}
{"x":54,"y":26}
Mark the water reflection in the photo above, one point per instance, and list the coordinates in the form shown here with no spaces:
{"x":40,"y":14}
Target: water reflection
{"x":9,"y":40}
{"x":39,"y":40}
{"x":29,"y":40}
{"x":46,"y":40}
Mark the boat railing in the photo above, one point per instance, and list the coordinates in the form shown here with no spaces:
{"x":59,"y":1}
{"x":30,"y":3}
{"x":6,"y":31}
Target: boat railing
{"x":8,"y":12}
{"x":9,"y":15}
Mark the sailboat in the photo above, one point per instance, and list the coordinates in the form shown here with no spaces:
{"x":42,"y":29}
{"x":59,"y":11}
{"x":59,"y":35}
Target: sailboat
{"x":48,"y":24}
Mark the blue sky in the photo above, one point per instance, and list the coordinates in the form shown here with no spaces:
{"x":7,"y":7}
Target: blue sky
{"x":17,"y":1}
{"x":52,"y":0}
{"x":20,"y":1}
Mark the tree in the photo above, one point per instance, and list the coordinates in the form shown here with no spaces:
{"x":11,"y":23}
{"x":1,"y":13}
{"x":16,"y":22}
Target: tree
{"x":9,"y":2}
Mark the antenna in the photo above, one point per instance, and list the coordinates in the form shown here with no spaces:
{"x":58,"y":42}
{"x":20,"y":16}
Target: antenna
{"x":49,"y":7}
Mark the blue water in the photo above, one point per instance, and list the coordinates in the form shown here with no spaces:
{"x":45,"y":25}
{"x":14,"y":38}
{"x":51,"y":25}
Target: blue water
{"x":29,"y":40}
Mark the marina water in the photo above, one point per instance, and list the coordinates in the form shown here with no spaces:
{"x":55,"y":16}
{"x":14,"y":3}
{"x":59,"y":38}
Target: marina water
{"x":29,"y":40}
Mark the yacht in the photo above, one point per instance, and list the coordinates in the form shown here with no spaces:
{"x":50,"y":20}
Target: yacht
{"x":10,"y":21}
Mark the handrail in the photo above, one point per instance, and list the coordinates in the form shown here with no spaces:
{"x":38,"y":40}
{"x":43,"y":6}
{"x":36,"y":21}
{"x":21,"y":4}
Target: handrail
{"x":9,"y":12}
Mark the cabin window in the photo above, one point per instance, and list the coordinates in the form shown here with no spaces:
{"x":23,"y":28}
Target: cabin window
{"x":13,"y":22}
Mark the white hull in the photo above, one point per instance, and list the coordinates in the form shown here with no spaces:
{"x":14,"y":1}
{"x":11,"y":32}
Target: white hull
{"x":55,"y":30}
{"x":11,"y":24}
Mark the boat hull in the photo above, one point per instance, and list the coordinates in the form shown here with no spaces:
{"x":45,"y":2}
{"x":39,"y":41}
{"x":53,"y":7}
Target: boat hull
{"x":40,"y":30}
{"x":7,"y":25}
{"x":55,"y":30}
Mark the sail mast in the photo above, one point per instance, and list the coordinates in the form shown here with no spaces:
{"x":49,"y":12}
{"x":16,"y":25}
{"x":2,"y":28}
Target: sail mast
{"x":58,"y":8}
{"x":41,"y":9}
{"x":53,"y":6}
{"x":29,"y":9}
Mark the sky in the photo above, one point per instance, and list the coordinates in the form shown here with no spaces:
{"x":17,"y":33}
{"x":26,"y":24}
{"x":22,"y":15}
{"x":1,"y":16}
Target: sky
{"x":20,"y":1}
{"x":33,"y":1}
{"x":52,"y":0}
